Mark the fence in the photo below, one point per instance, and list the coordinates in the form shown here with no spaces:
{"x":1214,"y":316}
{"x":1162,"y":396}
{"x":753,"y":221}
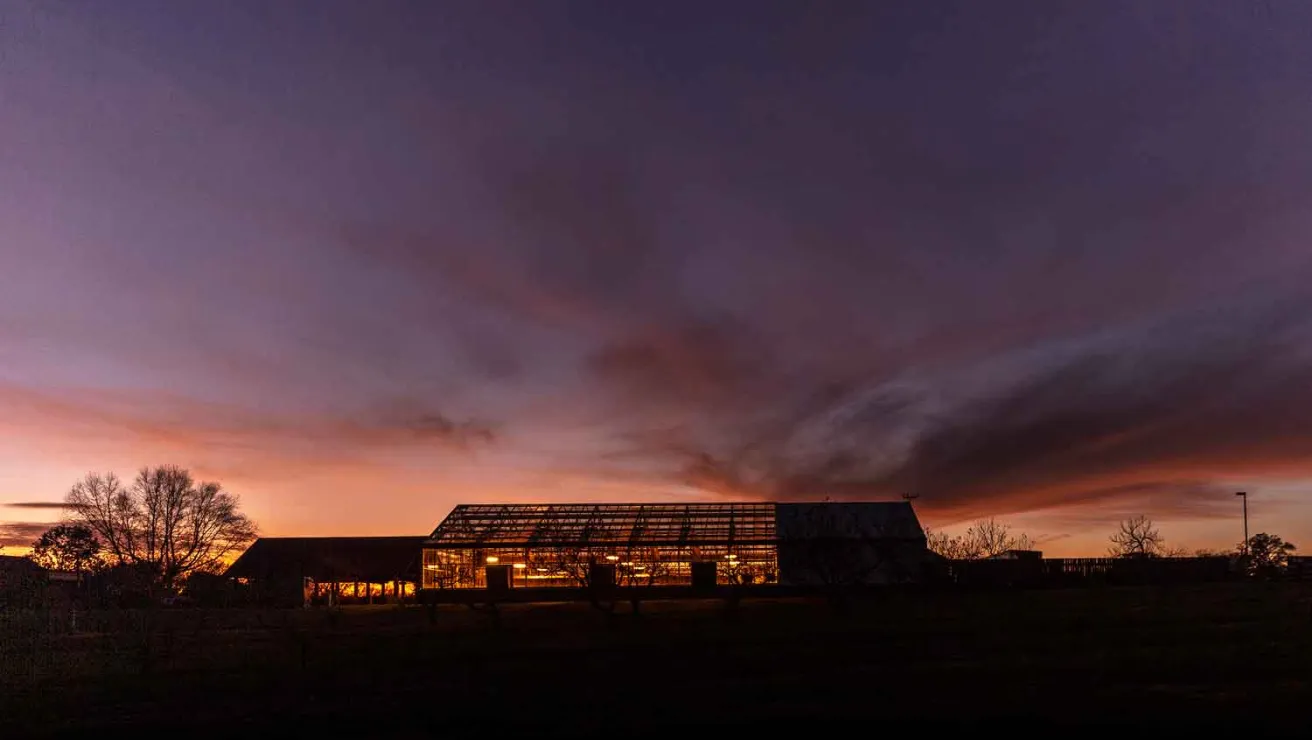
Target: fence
{"x":1054,"y":572}
{"x":1299,"y":568}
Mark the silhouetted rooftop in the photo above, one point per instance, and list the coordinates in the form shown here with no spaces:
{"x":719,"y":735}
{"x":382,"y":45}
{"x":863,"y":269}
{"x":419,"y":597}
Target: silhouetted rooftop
{"x":643,"y":525}
{"x":372,"y":559}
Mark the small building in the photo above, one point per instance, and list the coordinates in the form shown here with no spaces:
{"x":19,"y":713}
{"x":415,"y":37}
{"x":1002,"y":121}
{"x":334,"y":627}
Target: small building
{"x":1298,"y":568}
{"x":16,"y":570}
{"x":22,"y":581}
{"x":850,"y":543}
{"x":328,"y":570}
{"x":1028,"y":555}
{"x":571,"y":545}
{"x":1006,"y":569}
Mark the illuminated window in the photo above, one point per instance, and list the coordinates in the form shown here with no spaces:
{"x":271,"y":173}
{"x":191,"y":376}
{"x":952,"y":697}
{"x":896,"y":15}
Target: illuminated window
{"x":556,"y":545}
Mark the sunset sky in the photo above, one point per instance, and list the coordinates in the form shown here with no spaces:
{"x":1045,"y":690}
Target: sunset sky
{"x":362,"y":261}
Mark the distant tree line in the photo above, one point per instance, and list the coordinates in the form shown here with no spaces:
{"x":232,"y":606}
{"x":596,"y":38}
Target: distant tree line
{"x":985,"y":538}
{"x":1262,"y":555}
{"x":1135,"y":537}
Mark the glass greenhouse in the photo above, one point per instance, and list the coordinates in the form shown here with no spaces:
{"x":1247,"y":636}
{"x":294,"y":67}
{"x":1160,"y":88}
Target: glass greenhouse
{"x":561,"y":544}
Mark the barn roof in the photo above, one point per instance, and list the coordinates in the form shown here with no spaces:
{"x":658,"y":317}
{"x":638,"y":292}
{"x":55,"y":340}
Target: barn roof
{"x":373,"y":559}
{"x":860,"y":519}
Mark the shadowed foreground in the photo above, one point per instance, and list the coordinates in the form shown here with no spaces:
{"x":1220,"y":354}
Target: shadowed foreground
{"x":1175,"y":656}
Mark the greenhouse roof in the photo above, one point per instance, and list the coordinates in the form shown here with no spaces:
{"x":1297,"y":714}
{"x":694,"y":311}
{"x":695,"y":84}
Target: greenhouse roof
{"x":631,"y":525}
{"x":645,"y":525}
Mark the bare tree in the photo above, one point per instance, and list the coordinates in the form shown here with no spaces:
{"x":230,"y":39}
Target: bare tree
{"x":642,"y":567}
{"x":450,"y":569}
{"x":942,"y":544}
{"x":639,"y":570}
{"x":67,"y":547}
{"x":985,"y":538}
{"x":1137,"y":538}
{"x":166,"y":521}
{"x":559,"y":552}
{"x":574,"y":562}
{"x":990,"y":538}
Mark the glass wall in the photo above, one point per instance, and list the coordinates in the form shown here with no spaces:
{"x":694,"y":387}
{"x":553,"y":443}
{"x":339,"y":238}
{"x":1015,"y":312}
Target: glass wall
{"x":657,"y":565}
{"x":359,"y":591}
{"x":649,"y":544}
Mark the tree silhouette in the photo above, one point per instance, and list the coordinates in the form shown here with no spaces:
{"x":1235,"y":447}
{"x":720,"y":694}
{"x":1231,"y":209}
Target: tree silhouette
{"x":990,"y":538}
{"x":67,"y":547}
{"x":449,"y":570}
{"x":1137,"y":538}
{"x":941,"y":543}
{"x":985,"y":538}
{"x":642,"y":566}
{"x":1266,"y":554}
{"x":165,"y":521}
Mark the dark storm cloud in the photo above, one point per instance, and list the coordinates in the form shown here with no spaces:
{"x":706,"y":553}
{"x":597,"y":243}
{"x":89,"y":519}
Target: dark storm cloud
{"x":1181,"y":498}
{"x":970,"y":264}
{"x":1241,"y":404}
{"x":1148,"y":415}
{"x":987,"y":291}
{"x":1026,"y":226}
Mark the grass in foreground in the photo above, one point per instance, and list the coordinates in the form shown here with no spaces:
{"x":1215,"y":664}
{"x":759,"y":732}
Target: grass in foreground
{"x":1186,"y":654}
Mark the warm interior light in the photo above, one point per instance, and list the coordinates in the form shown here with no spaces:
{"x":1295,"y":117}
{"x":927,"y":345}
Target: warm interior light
{"x":520,"y":566}
{"x":493,"y":559}
{"x":731,"y":556}
{"x":612,"y":557}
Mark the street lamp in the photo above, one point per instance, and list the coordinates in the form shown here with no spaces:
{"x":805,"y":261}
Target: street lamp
{"x":1244,"y":496}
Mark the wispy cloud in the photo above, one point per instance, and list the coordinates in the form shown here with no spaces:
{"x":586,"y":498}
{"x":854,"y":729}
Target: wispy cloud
{"x":21,"y":534}
{"x":163,"y":422}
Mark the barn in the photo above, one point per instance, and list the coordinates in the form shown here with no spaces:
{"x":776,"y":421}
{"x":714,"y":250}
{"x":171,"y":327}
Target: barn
{"x":329,"y":570}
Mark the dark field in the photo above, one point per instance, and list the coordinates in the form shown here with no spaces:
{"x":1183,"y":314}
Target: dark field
{"x":1178,"y":657}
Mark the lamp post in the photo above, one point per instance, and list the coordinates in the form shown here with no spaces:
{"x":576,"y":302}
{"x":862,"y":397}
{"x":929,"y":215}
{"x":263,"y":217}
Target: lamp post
{"x":1244,"y":496}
